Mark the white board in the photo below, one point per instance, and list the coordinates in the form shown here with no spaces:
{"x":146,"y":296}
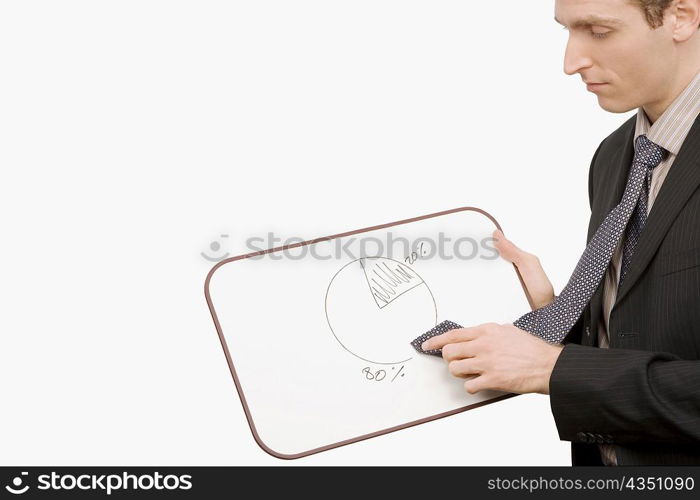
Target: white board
{"x":317,"y":334}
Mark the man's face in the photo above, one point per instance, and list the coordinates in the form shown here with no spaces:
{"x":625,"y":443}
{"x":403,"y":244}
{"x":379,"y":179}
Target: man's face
{"x":611,"y":42}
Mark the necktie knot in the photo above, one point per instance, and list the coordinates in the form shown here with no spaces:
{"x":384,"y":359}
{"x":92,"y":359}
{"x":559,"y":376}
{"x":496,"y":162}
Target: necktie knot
{"x":648,"y":153}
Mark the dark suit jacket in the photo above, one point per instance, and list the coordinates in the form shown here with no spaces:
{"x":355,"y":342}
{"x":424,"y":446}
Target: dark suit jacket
{"x":643,"y":393}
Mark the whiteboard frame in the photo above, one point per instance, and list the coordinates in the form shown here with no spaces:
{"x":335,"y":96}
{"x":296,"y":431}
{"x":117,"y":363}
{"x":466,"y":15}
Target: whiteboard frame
{"x":362,"y":437}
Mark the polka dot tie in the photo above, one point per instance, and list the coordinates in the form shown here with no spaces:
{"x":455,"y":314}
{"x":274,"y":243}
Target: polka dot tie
{"x":636,"y":224}
{"x":554,"y":321}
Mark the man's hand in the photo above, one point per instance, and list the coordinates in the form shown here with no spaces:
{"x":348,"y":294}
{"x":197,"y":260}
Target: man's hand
{"x":504,"y":358}
{"x":535,"y":279}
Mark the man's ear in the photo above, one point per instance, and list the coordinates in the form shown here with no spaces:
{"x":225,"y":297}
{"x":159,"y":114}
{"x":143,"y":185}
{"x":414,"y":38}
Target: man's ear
{"x":687,"y":19}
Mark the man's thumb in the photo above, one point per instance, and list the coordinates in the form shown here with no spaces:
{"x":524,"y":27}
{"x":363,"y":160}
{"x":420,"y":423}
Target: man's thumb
{"x":505,"y":247}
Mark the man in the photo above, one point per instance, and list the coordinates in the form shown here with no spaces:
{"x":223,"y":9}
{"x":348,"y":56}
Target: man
{"x":624,"y":374}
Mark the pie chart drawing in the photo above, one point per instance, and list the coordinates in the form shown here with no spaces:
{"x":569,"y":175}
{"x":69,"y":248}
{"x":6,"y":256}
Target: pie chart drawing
{"x":375,"y":306}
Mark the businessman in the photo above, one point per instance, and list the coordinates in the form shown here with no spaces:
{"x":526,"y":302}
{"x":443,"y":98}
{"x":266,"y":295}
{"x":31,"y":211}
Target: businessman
{"x":618,"y":350}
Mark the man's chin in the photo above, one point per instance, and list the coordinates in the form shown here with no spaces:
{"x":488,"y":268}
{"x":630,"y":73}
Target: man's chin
{"x":613,"y":106}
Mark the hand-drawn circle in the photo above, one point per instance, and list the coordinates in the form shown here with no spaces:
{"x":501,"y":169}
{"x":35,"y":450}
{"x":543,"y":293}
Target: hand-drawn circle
{"x":375,"y":306}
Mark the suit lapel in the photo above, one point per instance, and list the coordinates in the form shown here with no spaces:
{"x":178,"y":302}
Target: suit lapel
{"x":616,"y":168}
{"x":681,"y":181}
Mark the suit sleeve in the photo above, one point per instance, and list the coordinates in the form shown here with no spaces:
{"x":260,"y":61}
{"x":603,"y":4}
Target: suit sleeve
{"x":632,"y":396}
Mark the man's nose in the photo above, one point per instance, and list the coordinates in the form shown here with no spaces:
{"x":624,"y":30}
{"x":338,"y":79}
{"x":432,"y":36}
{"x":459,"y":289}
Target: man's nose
{"x":576,"y":57}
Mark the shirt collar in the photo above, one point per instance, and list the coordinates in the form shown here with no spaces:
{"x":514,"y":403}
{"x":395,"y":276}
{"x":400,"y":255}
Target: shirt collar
{"x":673,"y":126}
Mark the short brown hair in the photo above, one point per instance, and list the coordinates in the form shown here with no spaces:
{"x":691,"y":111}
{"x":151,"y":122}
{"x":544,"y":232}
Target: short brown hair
{"x":654,"y":10}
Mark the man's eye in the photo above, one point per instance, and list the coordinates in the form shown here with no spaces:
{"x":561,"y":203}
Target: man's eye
{"x":599,"y":34}
{"x":594,"y":34}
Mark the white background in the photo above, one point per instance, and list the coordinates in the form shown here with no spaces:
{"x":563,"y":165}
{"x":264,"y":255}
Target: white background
{"x":135,"y":133}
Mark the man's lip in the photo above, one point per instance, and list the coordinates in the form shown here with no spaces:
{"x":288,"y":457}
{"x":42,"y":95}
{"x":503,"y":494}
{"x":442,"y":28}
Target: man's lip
{"x":594,"y":86}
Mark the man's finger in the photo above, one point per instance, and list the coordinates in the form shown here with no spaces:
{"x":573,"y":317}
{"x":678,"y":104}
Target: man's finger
{"x":459,"y":350}
{"x":476,"y":384}
{"x":456,"y":335}
{"x":464,"y":367}
{"x":507,"y":248}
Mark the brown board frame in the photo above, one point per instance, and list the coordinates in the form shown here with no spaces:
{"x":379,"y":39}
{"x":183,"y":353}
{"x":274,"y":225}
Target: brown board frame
{"x":232,"y":368}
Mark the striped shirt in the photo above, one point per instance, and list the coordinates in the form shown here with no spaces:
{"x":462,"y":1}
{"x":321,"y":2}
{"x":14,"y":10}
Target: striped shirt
{"x":669,"y":132}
